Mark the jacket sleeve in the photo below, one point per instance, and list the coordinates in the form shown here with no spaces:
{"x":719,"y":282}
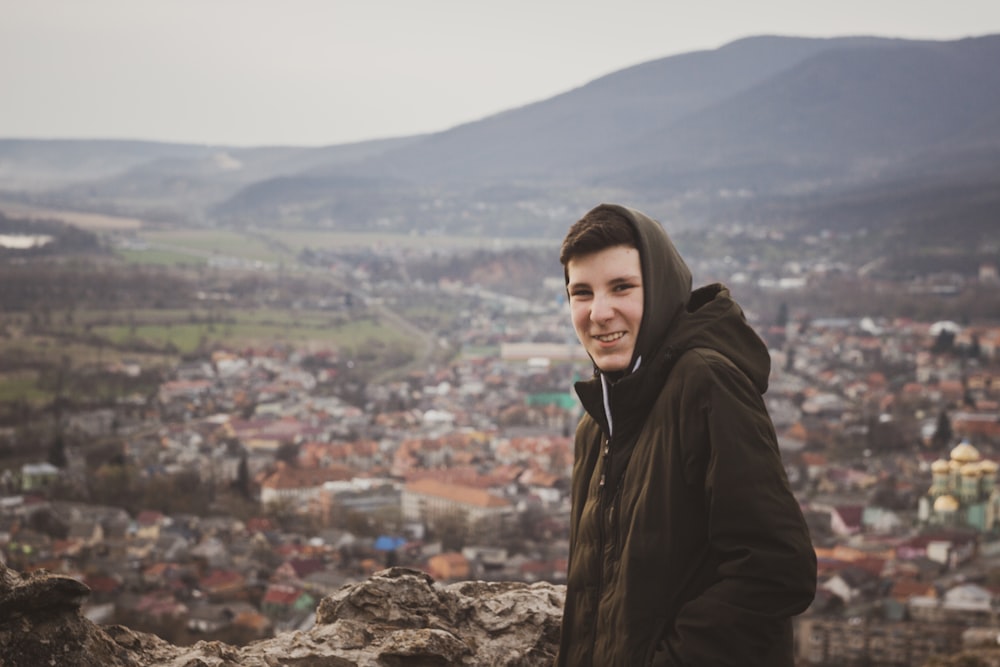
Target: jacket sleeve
{"x":765,"y":564}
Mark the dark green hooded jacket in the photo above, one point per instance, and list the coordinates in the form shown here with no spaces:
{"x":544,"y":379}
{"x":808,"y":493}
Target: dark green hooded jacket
{"x":693,"y":551}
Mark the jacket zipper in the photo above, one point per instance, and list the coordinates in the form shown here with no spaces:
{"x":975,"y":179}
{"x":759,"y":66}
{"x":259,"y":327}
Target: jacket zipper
{"x":601,"y":533}
{"x":614,"y":524}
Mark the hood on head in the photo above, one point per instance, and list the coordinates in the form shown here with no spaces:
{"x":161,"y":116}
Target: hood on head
{"x":666,"y":279}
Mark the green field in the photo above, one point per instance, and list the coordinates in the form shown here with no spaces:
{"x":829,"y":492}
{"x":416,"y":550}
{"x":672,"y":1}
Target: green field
{"x":184,"y":328}
{"x":198,"y":246}
{"x":195,"y":246}
{"x":237,"y":330}
{"x":21,"y":385}
{"x":160,"y":257}
{"x":92,"y":342}
{"x":298,"y":240}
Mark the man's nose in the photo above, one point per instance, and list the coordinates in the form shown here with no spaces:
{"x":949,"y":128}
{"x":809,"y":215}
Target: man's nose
{"x":600,"y":308}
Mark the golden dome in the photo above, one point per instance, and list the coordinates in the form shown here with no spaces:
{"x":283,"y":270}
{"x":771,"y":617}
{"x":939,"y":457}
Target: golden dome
{"x":965,"y":453}
{"x":988,"y":466}
{"x":939,"y":466}
{"x":946,"y":504}
{"x":971,"y":470}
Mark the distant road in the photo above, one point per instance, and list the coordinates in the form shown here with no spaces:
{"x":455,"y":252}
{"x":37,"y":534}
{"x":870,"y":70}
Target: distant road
{"x":425,"y":350}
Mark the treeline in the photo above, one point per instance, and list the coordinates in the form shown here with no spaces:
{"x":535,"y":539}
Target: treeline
{"x":74,"y":389}
{"x":66,"y":239}
{"x":848,"y":296}
{"x":39,"y":286}
{"x":519,"y":270}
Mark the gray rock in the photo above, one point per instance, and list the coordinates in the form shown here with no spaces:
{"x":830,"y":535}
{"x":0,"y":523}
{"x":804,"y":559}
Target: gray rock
{"x":396,"y":618}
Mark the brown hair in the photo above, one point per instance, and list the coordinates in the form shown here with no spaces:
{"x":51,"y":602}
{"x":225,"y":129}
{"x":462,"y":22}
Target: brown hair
{"x":599,"y":229}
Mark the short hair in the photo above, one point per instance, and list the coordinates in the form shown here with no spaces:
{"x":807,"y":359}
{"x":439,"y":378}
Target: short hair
{"x":599,"y":229}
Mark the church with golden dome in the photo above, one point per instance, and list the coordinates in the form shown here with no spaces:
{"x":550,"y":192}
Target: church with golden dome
{"x":963,"y":493}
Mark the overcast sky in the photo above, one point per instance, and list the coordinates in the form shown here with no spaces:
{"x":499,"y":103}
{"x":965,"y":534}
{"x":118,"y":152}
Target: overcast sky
{"x":319,"y":72}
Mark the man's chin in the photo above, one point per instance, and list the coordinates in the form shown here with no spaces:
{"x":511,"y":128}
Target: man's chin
{"x":611,"y":364}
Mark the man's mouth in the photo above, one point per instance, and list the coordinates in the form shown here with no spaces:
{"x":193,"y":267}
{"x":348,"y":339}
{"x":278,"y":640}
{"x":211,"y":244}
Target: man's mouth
{"x":610,"y":338}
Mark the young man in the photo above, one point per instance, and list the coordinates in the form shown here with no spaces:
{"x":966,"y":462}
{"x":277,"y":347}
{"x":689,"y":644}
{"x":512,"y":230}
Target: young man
{"x":687,"y":548}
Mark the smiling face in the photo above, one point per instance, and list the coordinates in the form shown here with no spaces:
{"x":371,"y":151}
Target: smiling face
{"x":606,"y":299}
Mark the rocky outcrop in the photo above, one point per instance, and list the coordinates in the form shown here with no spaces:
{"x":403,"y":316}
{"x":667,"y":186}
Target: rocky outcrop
{"x":396,"y":618}
{"x":972,"y":658}
{"x":41,"y":624}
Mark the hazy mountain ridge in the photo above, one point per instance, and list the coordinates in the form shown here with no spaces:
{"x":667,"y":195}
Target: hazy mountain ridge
{"x":45,"y":163}
{"x":160,"y":181}
{"x":793,"y":124}
{"x":573,"y":130}
{"x":847,"y":112}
